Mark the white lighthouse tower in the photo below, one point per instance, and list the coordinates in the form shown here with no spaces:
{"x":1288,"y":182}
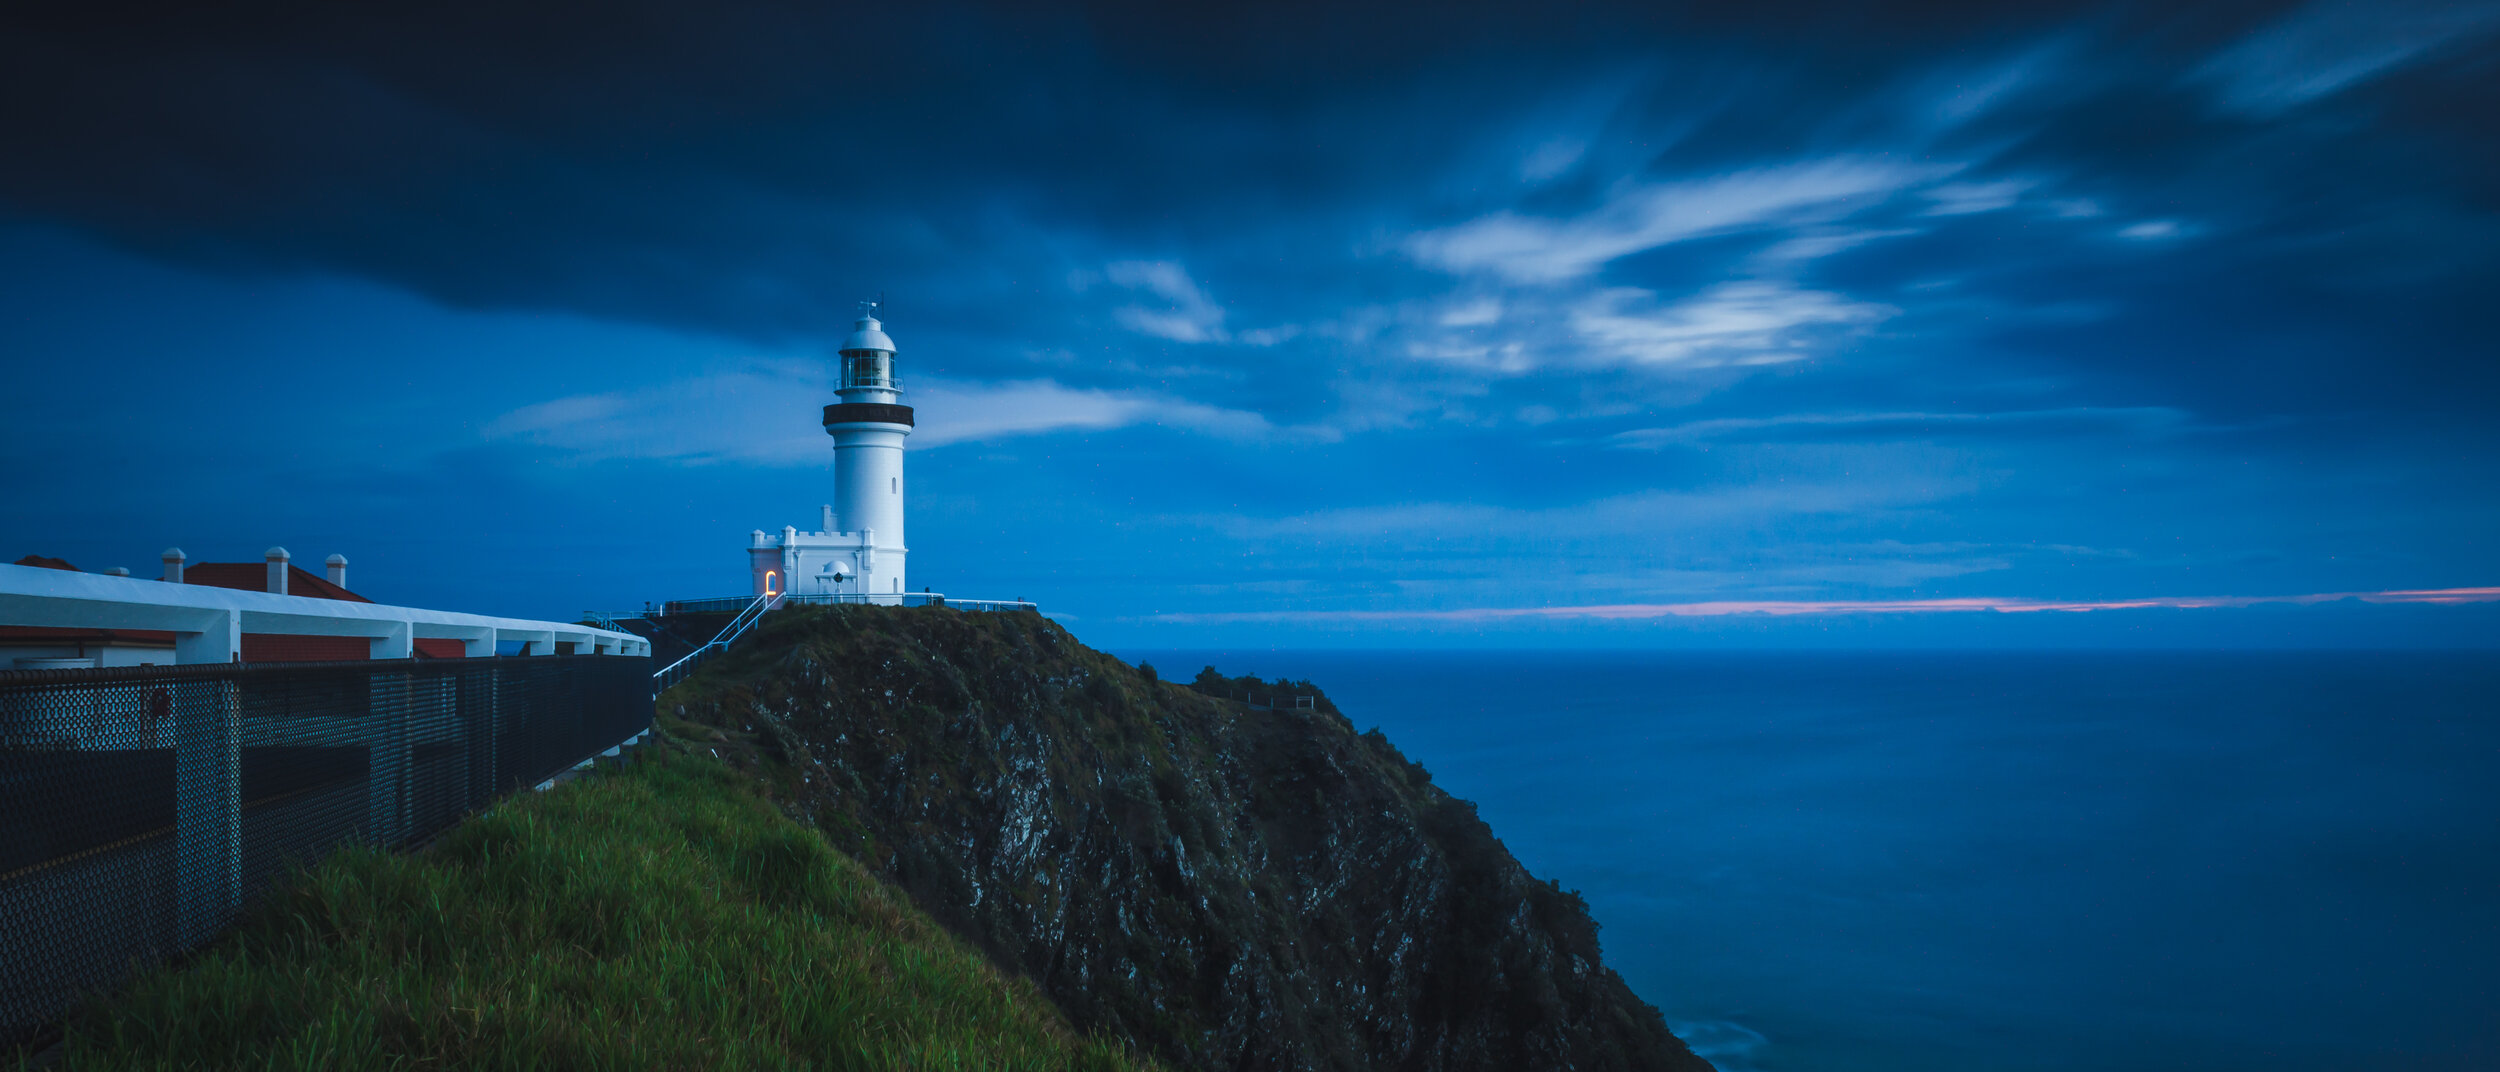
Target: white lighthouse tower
{"x":859,"y":552}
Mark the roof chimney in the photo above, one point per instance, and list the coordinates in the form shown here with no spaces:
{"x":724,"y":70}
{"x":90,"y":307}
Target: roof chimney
{"x":338,"y":569}
{"x":118,"y":571}
{"x":277,"y":557}
{"x":173,"y":564}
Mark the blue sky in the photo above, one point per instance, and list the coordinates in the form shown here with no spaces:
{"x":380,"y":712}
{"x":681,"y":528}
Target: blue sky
{"x":1294,"y":327}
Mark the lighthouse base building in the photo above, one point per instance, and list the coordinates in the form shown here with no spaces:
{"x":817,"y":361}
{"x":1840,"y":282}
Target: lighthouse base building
{"x":827,"y":562}
{"x":857,"y":552}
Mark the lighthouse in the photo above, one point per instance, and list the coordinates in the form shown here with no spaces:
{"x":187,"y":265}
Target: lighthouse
{"x":857,"y":554}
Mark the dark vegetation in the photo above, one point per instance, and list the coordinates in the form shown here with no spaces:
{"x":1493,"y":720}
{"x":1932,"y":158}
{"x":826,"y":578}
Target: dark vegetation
{"x":1231,"y":884}
{"x":661,"y":917}
{"x":1250,"y":690}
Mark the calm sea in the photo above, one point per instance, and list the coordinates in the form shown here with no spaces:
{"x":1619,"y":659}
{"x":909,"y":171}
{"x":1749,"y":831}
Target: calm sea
{"x":1875,"y":862}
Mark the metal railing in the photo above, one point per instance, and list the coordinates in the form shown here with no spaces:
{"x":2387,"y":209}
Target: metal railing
{"x":751,"y":609}
{"x":141,"y":807}
{"x":737,"y":627}
{"x":907,"y":599}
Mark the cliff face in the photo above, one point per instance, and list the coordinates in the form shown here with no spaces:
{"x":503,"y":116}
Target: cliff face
{"x":1231,"y":887}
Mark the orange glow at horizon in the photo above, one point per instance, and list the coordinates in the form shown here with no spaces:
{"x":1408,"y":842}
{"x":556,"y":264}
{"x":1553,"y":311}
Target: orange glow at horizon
{"x":1794,"y":608}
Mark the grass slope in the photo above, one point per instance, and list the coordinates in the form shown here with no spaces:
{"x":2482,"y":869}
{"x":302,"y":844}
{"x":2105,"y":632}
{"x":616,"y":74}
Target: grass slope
{"x":659,"y":917}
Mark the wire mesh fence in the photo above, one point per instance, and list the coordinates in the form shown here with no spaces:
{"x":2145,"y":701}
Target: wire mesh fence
{"x":140,"y":807}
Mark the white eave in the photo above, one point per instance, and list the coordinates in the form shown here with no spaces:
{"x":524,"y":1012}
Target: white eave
{"x":63,"y":599}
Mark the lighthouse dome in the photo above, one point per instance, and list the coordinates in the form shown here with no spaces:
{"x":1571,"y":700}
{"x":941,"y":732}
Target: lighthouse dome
{"x":868,"y":334}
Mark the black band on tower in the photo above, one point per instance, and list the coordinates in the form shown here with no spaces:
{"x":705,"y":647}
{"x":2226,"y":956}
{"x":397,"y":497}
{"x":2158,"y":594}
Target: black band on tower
{"x":867,"y":413}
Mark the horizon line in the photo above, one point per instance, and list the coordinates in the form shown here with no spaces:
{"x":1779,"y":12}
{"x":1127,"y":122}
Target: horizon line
{"x":1776,"y":608}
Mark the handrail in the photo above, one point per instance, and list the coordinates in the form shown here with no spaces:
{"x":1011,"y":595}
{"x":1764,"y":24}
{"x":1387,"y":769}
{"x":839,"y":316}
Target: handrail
{"x":909,"y":599}
{"x":729,"y":634}
{"x":754,"y":612}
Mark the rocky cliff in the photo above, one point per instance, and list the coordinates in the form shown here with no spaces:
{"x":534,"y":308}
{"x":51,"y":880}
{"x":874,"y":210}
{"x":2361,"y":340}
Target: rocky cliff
{"x":1230,"y":886}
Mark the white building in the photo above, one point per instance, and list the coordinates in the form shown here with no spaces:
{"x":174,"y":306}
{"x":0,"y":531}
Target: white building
{"x":200,"y":620}
{"x":858,"y":550}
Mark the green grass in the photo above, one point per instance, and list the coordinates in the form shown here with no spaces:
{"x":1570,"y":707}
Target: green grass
{"x":659,"y":917}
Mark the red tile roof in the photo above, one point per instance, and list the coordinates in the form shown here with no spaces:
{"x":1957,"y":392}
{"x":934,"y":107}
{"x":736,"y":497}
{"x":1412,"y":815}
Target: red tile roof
{"x":254,"y":577}
{"x":257,"y":647}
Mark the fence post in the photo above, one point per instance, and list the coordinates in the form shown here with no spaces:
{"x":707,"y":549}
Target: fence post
{"x":386,"y":772}
{"x":477,"y":726}
{"x":208,"y":810}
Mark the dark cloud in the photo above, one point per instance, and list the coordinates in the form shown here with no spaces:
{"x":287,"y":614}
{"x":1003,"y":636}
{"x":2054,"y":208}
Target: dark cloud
{"x":711,"y":165}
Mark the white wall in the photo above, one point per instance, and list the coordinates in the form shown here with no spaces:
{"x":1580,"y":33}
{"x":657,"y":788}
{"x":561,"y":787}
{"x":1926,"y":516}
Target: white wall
{"x":798,"y":560}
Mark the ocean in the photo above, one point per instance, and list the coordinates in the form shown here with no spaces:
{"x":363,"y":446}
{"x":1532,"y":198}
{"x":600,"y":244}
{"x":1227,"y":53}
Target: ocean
{"x":1819,"y":862}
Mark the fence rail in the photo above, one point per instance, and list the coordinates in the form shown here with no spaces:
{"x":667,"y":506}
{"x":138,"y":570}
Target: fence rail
{"x":729,"y":634}
{"x":726,"y":604}
{"x":141,"y":807}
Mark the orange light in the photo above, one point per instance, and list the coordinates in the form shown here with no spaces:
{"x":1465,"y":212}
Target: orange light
{"x":769,"y":577}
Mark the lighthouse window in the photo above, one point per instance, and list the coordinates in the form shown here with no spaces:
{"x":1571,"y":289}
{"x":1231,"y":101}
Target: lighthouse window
{"x":894,"y":485}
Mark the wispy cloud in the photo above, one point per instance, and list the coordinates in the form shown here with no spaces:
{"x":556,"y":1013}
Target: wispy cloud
{"x":2334,"y":44}
{"x":755,"y":412}
{"x":1758,"y":322}
{"x":764,"y":412}
{"x":1532,"y":249}
{"x":1190,"y":316}
{"x":2141,"y":418}
{"x":1956,"y":94}
{"x":1552,"y":157}
{"x":969,"y":412}
{"x":1471,"y":314}
{"x":1803,"y":608}
{"x":1609,"y":520}
{"x":1820,"y":244}
{"x":1510,"y":357}
{"x":1965,"y":198}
